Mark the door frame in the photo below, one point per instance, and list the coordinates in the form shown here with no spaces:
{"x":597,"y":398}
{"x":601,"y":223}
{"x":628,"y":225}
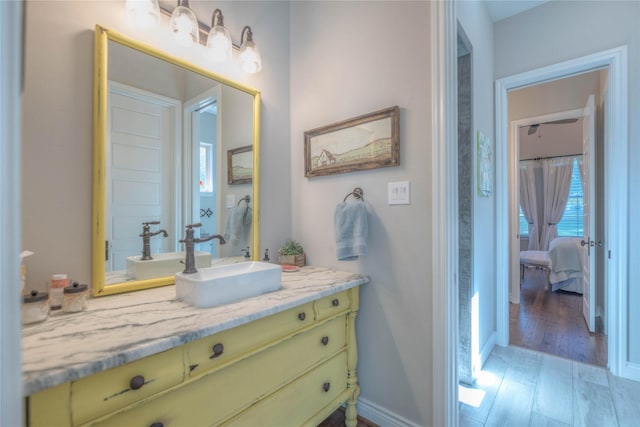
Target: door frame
{"x":444,"y":213}
{"x":616,"y":149}
{"x":191,"y":156}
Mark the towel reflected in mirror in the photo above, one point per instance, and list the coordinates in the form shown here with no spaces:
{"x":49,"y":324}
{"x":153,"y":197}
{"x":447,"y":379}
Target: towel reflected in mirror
{"x":239,"y":217}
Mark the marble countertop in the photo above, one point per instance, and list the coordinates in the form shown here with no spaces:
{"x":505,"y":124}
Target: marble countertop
{"x":122,"y":328}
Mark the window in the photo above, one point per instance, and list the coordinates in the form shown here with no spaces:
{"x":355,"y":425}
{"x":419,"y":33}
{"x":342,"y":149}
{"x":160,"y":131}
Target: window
{"x":524,"y":225}
{"x":206,"y":167}
{"x":571,"y":224}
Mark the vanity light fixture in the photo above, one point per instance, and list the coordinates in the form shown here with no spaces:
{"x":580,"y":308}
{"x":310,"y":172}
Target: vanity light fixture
{"x":249,"y":53}
{"x":143,"y":13}
{"x":184,"y":25}
{"x":219,"y":39}
{"x":187,"y":31}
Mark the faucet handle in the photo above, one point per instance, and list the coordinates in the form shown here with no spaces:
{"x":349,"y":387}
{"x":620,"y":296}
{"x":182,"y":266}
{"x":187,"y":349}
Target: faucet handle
{"x":191,"y":226}
{"x":246,"y":252}
{"x":151,"y":223}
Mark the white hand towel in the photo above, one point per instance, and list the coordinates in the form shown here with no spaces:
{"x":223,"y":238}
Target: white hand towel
{"x":351,"y":229}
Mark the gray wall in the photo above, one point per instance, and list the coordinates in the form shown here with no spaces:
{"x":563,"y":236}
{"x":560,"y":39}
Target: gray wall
{"x":348,"y":60}
{"x":559,"y":31}
{"x":57,"y":121}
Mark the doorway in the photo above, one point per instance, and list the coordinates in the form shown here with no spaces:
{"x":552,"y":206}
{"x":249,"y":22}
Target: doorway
{"x":202,"y":170}
{"x":554,"y":304}
{"x":615,"y":186}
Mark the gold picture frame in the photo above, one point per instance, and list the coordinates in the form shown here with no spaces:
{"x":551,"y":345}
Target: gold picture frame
{"x":240,"y":165}
{"x":365,"y":142}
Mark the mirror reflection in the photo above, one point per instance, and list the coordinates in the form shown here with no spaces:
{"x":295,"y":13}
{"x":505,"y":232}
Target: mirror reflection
{"x":169,"y":137}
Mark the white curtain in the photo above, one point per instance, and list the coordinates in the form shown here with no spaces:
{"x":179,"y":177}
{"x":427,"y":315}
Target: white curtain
{"x":556,"y":180}
{"x":528,"y":202}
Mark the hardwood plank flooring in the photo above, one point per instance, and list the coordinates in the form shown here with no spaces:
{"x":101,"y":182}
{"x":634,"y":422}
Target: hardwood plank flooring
{"x":552,"y":322}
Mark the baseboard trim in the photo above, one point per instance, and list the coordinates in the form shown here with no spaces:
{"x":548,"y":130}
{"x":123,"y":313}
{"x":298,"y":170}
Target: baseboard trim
{"x":488,"y":348}
{"x":382,"y":416}
{"x":632,"y":371}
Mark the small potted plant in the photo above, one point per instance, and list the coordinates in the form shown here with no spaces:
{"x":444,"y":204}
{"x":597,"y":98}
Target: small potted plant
{"x":292,"y":253}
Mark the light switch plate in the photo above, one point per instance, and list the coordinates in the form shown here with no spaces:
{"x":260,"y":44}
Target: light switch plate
{"x":399,"y":193}
{"x":231,"y":200}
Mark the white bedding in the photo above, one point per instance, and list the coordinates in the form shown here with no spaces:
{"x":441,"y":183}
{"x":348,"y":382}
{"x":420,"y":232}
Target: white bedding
{"x":567,"y":257}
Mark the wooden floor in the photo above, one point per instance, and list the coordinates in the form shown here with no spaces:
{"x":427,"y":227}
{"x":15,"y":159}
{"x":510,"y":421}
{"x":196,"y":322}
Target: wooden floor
{"x":519,"y":387}
{"x":552,"y":322}
{"x":337,"y":420}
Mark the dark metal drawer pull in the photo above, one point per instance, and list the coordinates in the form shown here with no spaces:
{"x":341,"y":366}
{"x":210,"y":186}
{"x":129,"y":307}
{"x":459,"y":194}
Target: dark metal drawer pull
{"x":157,"y":424}
{"x":136,"y":382}
{"x":335,"y":302}
{"x":217,"y":350}
{"x":302,"y":316}
{"x":325,"y":340}
{"x":326,"y":386}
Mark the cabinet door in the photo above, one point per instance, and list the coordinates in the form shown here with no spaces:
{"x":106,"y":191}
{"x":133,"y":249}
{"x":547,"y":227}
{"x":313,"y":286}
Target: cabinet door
{"x":213,"y":398}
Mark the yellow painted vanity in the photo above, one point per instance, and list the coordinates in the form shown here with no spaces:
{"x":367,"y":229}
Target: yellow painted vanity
{"x":291,"y":367}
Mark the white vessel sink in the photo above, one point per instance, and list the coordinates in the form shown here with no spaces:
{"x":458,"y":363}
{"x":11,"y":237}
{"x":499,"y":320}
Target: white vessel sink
{"x":163,"y":264}
{"x":222,"y":284}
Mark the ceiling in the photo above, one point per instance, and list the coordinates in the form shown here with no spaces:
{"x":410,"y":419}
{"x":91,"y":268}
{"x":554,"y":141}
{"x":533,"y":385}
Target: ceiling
{"x":551,"y":140}
{"x":502,"y":9}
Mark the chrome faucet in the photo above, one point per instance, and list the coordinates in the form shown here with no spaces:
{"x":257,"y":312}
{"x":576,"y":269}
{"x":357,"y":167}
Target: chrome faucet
{"x":190,"y":244}
{"x":146,"y":236}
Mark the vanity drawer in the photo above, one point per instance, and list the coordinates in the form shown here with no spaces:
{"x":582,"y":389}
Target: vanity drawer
{"x":311,"y":392}
{"x":332,"y":305}
{"x":211,"y":352}
{"x":217,"y":396}
{"x":107,"y":391}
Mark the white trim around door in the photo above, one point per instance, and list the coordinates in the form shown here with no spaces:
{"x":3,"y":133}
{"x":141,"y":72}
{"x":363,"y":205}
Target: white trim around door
{"x":616,"y":187}
{"x":444,"y":225}
{"x":11,"y":399}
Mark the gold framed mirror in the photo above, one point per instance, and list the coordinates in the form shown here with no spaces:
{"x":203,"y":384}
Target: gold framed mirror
{"x":163,"y":128}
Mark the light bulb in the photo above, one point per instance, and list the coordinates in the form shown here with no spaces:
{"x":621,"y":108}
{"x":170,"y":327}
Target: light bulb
{"x":219,"y":44}
{"x":184,"y":25}
{"x":143,"y":13}
{"x":250,"y":57}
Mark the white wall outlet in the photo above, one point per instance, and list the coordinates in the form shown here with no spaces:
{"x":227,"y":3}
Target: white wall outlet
{"x":399,"y":193}
{"x":231,"y":200}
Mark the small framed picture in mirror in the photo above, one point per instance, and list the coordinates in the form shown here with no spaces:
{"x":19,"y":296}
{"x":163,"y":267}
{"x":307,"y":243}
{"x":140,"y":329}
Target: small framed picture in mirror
{"x":240,"y":165}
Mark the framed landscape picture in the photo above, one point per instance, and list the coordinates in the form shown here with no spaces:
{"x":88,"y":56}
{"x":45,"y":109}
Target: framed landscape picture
{"x":365,"y":142}
{"x":240,"y":165}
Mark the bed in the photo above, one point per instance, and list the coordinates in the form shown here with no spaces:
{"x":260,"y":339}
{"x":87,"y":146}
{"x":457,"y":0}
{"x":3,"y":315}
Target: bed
{"x":563,"y":263}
